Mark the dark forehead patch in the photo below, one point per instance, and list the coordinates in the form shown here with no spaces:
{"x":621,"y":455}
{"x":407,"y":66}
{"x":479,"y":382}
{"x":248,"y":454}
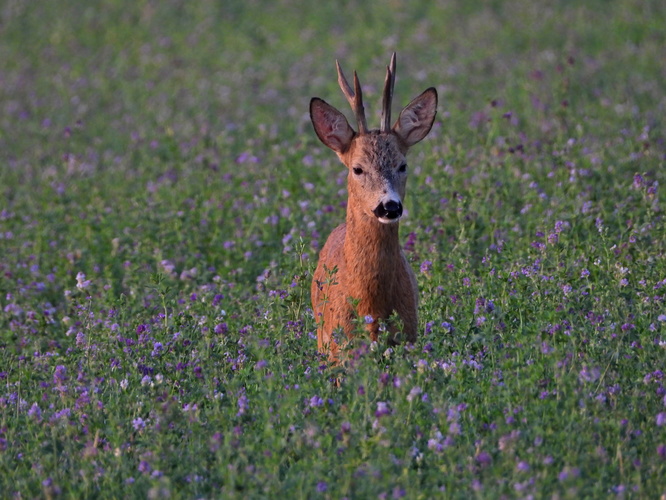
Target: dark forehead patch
{"x":380,"y":150}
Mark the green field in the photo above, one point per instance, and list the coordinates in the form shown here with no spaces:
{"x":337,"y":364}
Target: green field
{"x":164,"y":198}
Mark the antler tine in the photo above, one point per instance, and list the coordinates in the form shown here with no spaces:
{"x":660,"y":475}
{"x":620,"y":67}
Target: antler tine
{"x":359,"y":110}
{"x":387,"y":97}
{"x":354,"y":97}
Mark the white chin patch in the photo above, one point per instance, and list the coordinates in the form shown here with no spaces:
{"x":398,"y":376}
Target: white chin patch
{"x":385,"y":220}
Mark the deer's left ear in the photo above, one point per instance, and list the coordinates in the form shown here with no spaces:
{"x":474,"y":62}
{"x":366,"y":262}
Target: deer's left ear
{"x":415,"y":121}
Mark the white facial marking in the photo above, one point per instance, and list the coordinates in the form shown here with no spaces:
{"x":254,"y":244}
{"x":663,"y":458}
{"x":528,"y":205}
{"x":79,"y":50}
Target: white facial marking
{"x":391,"y":195}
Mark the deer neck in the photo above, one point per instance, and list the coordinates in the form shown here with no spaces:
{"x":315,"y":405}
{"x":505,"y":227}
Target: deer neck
{"x":371,"y":249}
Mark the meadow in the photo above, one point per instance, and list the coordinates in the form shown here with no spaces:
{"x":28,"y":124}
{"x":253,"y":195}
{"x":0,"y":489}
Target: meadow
{"x":164,"y":198}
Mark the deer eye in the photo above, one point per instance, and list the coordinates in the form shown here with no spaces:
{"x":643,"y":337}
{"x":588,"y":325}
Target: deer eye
{"x":358,"y":170}
{"x":402,"y":168}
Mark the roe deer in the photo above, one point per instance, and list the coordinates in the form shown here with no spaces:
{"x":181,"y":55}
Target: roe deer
{"x":362,"y":269}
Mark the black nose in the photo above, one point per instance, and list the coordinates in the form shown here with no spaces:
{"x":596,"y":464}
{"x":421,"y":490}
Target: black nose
{"x":389,"y":210}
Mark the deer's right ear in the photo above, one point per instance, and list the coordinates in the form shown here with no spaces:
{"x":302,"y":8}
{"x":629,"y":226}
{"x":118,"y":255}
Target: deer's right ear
{"x":331,"y":126}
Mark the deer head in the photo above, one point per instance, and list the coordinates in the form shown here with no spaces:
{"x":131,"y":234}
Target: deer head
{"x":376,"y":159}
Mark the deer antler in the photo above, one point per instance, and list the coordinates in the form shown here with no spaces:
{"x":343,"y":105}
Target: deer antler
{"x":387,"y":97}
{"x":354,"y":97}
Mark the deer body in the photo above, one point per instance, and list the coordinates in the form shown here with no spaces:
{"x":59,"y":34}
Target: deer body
{"x":362,"y":271}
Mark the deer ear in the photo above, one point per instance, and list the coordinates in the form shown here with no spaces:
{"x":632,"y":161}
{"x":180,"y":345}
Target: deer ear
{"x":331,"y":126}
{"x":415,"y":121}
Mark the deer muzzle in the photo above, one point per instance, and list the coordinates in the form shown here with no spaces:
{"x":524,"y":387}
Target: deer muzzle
{"x":388,"y":211}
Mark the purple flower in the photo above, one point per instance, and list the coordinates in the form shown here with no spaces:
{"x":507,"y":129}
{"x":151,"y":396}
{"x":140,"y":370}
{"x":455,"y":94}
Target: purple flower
{"x":368,"y":319}
{"x":568,"y":473}
{"x":221,"y":329}
{"x":315,"y":401}
{"x":243,"y":405}
{"x":523,"y":466}
{"x":589,"y":374}
{"x":426,"y":266}
{"x":507,"y":441}
{"x":479,"y":305}
{"x":416,"y":390}
{"x":83,"y":400}
{"x":661,"y":451}
{"x":382,"y":409}
{"x":80,"y":340}
{"x":435,"y":444}
{"x":167,"y":266}
{"x":215,"y":442}
{"x":60,"y":374}
{"x":81,"y":281}
{"x":661,"y":419}
{"x":638,"y":181}
{"x":35,"y":412}
{"x":322,"y":486}
{"x":51,"y":489}
{"x":398,"y":492}
{"x":64,"y":413}
{"x":60,"y":377}
{"x":484,"y":459}
{"x":157,"y":348}
{"x":584,"y":273}
{"x":139,"y":424}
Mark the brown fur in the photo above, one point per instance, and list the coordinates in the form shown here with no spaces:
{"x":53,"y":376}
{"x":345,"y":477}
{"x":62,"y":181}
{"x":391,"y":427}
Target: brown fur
{"x":362,"y":262}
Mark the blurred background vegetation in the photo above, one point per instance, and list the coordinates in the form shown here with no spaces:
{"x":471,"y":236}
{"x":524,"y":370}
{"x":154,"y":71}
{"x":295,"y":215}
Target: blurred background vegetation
{"x":102,"y":103}
{"x":121,"y":69}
